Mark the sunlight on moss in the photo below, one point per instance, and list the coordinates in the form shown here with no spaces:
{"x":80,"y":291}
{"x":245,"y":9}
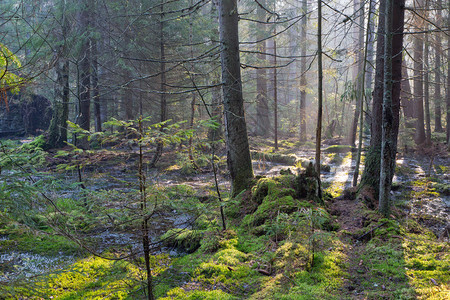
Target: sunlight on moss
{"x":91,"y":278}
{"x":179,"y":293}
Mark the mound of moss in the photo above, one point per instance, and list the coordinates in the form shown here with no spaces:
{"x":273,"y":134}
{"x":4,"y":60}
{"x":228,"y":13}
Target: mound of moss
{"x":338,"y":149}
{"x":183,"y":239}
{"x":288,"y":159}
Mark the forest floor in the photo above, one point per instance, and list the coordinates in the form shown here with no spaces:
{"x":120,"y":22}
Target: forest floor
{"x":277,"y":245}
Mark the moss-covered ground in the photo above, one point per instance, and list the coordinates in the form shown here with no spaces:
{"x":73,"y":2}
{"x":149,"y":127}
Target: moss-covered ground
{"x":281,"y":242}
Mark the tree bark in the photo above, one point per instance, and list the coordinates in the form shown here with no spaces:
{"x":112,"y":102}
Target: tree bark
{"x":96,"y":87}
{"x":371,"y":176}
{"x":370,"y":62}
{"x":391,"y":99}
{"x":358,"y":7}
{"x":58,"y":127}
{"x":303,"y":82}
{"x":319,"y":88}
{"x":85,"y":74}
{"x":386,"y":133}
{"x":215,"y":133}
{"x":262,"y":106}
{"x":162,"y":70}
{"x":363,"y":96}
{"x":128,"y":97}
{"x":448,"y":89}
{"x":437,"y":72}
{"x":448,"y":84}
{"x":418,"y":76}
{"x":65,"y":100}
{"x":426,"y":86}
{"x":238,"y":152}
{"x":275,"y":94}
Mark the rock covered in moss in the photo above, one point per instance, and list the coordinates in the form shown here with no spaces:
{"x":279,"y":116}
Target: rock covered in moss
{"x":183,"y":239}
{"x":289,"y":159}
{"x":338,"y":149}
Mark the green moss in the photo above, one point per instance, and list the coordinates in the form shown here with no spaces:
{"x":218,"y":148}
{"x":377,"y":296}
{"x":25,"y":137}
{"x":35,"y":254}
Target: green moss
{"x":179,"y":293}
{"x":287,"y":143}
{"x":43,"y":244}
{"x":307,"y":163}
{"x":442,"y":188}
{"x":323,"y":281}
{"x":90,"y":278}
{"x":183,"y":239}
{"x":337,"y":149}
{"x":230,"y":256}
{"x":335,"y":158}
{"x":249,"y":243}
{"x":407,"y":260}
{"x":269,"y":208}
{"x":440,"y":169}
{"x":290,"y":159}
{"x":292,"y":256}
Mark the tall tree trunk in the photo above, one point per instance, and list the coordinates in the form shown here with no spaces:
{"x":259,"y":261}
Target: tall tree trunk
{"x":215,"y":132}
{"x":163,"y":114}
{"x":162,"y":70}
{"x":437,"y":72}
{"x":54,"y":133}
{"x":358,"y":7}
{"x":426,"y":85}
{"x":194,"y":98}
{"x":58,"y":127}
{"x":370,"y":178}
{"x":238,"y":152}
{"x":128,"y":97}
{"x":96,"y":87}
{"x":65,"y":100}
{"x":262,"y":106}
{"x":448,"y":84}
{"x":319,"y":88}
{"x":363,"y":96}
{"x":386,"y":142}
{"x":85,"y":74}
{"x":303,"y":72}
{"x":275,"y":93}
{"x":418,"y":75}
{"x":394,"y":24}
{"x":370,"y":61}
